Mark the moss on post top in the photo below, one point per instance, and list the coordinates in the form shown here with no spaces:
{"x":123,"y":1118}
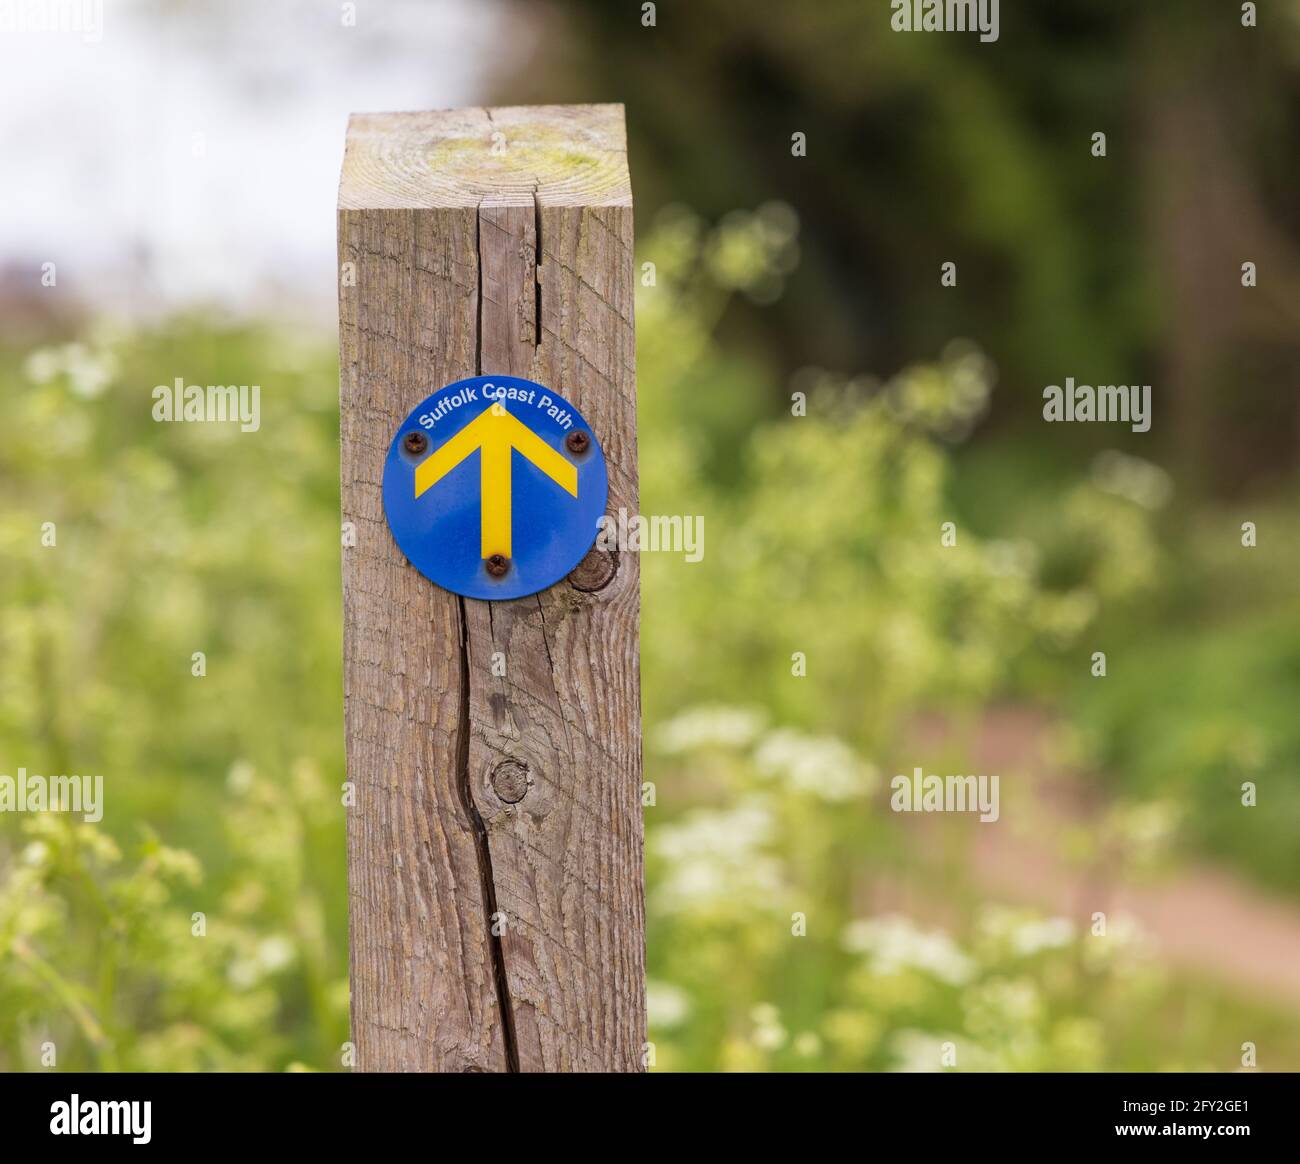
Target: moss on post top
{"x":564,"y":155}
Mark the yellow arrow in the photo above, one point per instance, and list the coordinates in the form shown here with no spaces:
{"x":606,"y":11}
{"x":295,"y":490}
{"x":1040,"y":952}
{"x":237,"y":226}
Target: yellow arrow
{"x":494,"y":432}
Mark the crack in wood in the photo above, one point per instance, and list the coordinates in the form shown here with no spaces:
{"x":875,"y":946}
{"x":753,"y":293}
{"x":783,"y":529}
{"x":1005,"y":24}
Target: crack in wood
{"x":478,"y":322}
{"x":484,"y":849}
{"x":537,"y":270}
{"x":481,"y":841}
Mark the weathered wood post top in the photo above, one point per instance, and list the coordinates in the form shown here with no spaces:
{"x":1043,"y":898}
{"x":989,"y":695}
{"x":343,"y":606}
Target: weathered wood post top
{"x":493,"y":747}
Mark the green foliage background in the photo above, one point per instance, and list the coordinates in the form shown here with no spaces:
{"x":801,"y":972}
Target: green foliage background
{"x":770,"y":792}
{"x":794,"y":922}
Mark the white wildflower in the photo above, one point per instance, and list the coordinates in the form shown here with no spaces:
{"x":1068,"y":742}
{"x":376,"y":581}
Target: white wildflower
{"x":710,"y":726}
{"x":89,"y":372}
{"x":807,"y":1044}
{"x":821,"y":765}
{"x":769,"y":1034}
{"x":896,"y":943}
{"x":666,"y":1004}
{"x":715,"y":858}
{"x":275,"y":953}
{"x":1024,"y":933}
{"x":1132,"y":478}
{"x":243,"y":973}
{"x":239,"y":779}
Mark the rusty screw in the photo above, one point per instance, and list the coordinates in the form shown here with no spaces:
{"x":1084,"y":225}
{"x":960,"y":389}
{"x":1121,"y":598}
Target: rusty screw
{"x":498,"y":565}
{"x":415,"y":443}
{"x":577,"y":442}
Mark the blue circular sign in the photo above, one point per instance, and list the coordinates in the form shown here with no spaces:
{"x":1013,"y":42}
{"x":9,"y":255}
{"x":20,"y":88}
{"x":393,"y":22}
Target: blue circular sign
{"x":493,"y":487}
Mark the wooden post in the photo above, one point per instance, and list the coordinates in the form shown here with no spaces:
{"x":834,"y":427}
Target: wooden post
{"x":495,"y":843}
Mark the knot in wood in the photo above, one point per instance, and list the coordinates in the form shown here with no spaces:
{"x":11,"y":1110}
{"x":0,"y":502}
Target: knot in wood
{"x":510,"y":781}
{"x":595,"y":571}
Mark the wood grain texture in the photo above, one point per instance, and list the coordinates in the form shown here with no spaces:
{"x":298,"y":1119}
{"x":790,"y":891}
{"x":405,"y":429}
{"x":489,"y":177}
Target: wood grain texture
{"x":514,"y":795}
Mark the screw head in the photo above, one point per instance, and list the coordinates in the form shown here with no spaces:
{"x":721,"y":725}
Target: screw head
{"x":577,"y":442}
{"x":498,"y":565}
{"x":415,"y":443}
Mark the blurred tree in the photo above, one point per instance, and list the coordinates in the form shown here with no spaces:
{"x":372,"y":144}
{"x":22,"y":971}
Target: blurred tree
{"x":925,"y":149}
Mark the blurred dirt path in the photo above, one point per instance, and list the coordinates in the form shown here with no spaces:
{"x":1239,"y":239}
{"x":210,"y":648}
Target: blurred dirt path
{"x":1199,"y":917}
